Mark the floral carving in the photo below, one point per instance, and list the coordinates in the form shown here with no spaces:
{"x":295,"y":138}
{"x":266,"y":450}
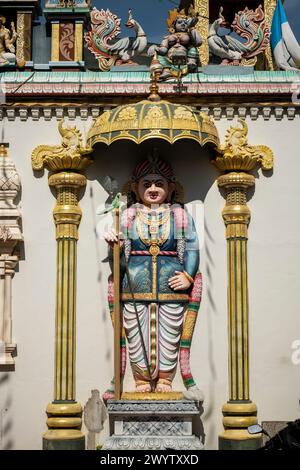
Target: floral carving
{"x":66,"y":43}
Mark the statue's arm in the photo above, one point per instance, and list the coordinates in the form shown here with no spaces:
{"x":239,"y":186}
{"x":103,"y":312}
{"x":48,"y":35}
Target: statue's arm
{"x":9,"y":41}
{"x":192,"y":254}
{"x":195,"y":38}
{"x":161,"y":50}
{"x":14,"y":33}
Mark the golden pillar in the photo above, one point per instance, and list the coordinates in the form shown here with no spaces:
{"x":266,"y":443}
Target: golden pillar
{"x":55,"y":41}
{"x":269,"y":8}
{"x":236,"y":159}
{"x":65,"y":162}
{"x":202,"y":7}
{"x":78,"y":54}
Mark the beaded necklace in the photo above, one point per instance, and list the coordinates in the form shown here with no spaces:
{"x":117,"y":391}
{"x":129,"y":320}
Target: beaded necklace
{"x":160,"y":218}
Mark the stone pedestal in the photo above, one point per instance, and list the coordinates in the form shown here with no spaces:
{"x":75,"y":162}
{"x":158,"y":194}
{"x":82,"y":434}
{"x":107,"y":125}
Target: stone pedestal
{"x":154,"y":425}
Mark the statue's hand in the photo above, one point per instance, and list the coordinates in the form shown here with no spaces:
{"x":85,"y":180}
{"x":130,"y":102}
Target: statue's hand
{"x":152,"y":49}
{"x":196,"y":38}
{"x":111,"y":237}
{"x":179,"y":281}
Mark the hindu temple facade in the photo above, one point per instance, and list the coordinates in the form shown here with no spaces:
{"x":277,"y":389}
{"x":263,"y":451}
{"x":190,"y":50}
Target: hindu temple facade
{"x":229,"y":128}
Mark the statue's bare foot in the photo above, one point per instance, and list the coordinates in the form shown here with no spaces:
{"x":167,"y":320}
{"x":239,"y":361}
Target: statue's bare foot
{"x":143,"y":388}
{"x":163,"y":388}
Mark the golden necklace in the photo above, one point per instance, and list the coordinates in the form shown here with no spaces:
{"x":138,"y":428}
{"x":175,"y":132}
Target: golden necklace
{"x":151,"y":236}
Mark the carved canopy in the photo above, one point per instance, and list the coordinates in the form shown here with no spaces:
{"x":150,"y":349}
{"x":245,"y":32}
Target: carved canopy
{"x":148,"y":120}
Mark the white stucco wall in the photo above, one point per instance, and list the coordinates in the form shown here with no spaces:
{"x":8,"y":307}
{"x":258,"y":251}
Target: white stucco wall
{"x":274,"y":284}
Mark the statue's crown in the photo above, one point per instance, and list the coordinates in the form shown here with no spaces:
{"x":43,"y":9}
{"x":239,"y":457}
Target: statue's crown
{"x":175,"y":14}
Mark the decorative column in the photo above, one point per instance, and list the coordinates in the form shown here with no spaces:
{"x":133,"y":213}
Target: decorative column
{"x":22,"y":13}
{"x":269,"y":8}
{"x":202,"y":7}
{"x":24,"y":26}
{"x":10,"y":239}
{"x":236,"y":159}
{"x":66,"y":161}
{"x":67,"y":20}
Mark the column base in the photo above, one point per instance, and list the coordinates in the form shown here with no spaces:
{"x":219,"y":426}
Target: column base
{"x":240,"y":441}
{"x":57,"y":439}
{"x":237,"y":417}
{"x":7,"y":362}
{"x":64,"y":423}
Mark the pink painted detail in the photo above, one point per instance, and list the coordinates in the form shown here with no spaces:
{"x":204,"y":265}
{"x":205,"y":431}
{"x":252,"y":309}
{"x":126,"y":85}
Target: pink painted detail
{"x":147,"y":253}
{"x":184,"y":360}
{"x":108,"y":395}
{"x":110,"y":293}
{"x":123,"y":360}
{"x":128,"y":217}
{"x":196,"y":293}
{"x":64,"y":88}
{"x":180,"y":217}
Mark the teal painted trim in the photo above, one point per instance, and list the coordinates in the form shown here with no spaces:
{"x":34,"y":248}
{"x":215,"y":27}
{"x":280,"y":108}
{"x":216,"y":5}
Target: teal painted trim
{"x":137,"y":77}
{"x":69,"y":63}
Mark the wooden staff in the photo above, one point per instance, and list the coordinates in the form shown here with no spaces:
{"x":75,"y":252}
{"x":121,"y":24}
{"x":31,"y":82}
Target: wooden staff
{"x":117,"y":312}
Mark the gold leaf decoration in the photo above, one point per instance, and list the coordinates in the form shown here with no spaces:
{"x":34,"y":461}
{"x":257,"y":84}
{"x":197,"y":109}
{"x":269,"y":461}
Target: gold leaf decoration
{"x":238,"y":155}
{"x":69,"y":155}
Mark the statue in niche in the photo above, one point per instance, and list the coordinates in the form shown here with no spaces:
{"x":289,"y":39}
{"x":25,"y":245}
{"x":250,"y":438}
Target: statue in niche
{"x":250,"y":26}
{"x":7,"y":41}
{"x":178,"y":52}
{"x":160,"y":285}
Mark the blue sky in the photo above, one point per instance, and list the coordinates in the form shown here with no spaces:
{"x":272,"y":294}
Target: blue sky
{"x":152,"y":14}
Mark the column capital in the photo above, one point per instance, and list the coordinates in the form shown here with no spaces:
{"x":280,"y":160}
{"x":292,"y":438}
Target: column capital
{"x":71,"y":154}
{"x":236,"y":154}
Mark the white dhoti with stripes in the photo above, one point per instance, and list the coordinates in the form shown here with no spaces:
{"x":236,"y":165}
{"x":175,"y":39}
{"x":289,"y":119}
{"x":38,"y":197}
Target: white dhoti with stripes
{"x":161,"y":326}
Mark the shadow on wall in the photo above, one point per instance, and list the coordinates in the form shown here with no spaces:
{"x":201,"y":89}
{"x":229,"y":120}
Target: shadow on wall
{"x":6,"y":423}
{"x":190,"y":162}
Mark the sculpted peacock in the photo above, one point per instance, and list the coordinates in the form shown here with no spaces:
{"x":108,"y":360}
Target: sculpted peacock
{"x":101,"y":39}
{"x":250,"y":26}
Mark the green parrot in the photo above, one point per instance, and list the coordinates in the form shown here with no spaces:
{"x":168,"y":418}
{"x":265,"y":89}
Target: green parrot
{"x":114,"y":205}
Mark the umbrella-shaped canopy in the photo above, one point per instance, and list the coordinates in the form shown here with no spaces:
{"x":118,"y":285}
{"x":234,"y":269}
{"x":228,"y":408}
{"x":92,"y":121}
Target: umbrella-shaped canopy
{"x":153,"y":120}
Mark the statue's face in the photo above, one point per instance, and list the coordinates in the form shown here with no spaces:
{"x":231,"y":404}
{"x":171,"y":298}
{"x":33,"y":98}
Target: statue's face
{"x":181,"y":25}
{"x":152,"y":190}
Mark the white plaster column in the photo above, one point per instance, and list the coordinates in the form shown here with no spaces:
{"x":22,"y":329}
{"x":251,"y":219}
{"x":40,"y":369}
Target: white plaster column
{"x":10,"y":238}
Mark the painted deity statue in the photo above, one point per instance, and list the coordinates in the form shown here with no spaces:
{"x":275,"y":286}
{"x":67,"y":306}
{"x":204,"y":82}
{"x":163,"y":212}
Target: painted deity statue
{"x":161,"y":286}
{"x":178,"y":50}
{"x":7,"y":40}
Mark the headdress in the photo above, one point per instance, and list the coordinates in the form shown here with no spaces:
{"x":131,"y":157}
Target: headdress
{"x":175,"y":14}
{"x":153,"y":165}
